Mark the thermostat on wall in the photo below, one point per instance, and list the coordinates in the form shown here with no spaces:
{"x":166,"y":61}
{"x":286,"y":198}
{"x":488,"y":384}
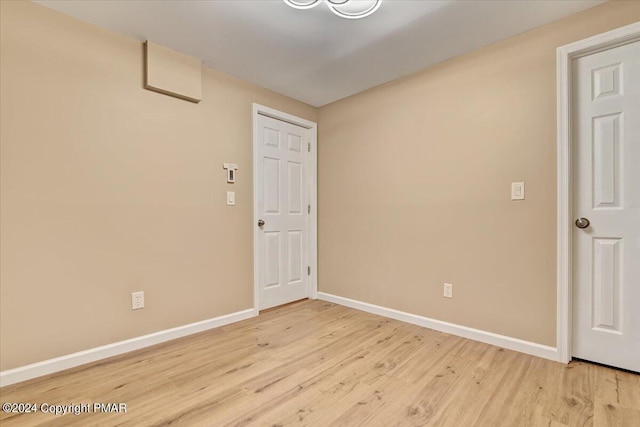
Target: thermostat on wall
{"x":231,"y":171}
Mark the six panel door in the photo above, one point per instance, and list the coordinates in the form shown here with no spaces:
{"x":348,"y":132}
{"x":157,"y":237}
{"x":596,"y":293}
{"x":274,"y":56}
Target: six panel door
{"x":606,"y":254}
{"x":283,"y":197}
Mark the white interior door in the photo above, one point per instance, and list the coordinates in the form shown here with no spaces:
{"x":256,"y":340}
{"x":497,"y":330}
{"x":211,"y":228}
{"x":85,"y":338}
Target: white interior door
{"x":282,"y":207}
{"x":606,"y":252}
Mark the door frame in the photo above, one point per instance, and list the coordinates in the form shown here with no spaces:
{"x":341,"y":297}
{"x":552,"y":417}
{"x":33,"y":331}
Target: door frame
{"x":312,"y":179}
{"x":565,"y":56}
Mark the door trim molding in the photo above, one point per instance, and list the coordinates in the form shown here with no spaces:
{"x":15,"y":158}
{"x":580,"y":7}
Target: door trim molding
{"x":565,"y":55}
{"x":312,"y":176}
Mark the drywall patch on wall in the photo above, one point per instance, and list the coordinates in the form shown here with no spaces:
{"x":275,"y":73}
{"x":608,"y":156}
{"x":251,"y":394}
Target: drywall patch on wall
{"x":172,"y":73}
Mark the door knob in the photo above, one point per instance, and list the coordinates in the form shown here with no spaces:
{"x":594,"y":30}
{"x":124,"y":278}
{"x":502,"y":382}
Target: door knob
{"x":260,"y":222}
{"x":582,"y":223}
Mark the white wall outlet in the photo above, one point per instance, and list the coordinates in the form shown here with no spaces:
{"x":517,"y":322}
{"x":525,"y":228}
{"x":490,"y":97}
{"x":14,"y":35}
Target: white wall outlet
{"x":137,"y":300}
{"x":448,"y":290}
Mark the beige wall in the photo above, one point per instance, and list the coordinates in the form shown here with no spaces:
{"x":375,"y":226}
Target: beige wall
{"x":414,"y":185}
{"x":108,"y":188}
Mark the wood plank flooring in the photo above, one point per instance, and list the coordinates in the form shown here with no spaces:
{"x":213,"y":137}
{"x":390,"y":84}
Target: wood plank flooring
{"x":319,"y":364}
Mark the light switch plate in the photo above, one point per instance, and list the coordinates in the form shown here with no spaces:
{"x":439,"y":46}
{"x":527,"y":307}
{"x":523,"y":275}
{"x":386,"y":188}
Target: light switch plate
{"x":517,"y":191}
{"x":448,"y":290}
{"x":231,"y":198}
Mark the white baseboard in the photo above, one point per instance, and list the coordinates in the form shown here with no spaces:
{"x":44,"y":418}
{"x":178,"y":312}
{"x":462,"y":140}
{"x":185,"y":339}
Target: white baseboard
{"x":515,"y":344}
{"x":46,"y":367}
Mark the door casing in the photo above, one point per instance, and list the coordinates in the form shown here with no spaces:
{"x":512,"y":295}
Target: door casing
{"x":312,"y":179}
{"x":565,"y":55}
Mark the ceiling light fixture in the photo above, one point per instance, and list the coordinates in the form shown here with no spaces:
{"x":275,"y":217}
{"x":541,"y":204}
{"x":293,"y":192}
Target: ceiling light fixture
{"x":303,"y":4}
{"x":350,"y":9}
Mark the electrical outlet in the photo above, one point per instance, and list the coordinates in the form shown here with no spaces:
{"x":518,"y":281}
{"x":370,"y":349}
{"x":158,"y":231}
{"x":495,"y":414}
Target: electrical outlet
{"x":137,"y":300}
{"x":448,"y":290}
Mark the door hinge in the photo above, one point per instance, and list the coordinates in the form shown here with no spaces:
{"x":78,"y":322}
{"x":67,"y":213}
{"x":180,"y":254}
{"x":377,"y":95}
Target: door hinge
{"x":309,"y":209}
{"x":309,"y":271}
{"x":309,"y":147}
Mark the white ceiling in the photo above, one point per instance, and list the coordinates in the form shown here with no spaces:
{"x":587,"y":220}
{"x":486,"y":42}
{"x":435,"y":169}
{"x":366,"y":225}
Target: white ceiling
{"x":313,"y":55}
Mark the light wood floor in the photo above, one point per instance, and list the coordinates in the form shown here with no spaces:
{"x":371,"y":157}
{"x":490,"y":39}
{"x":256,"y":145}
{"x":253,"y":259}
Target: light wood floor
{"x":316,"y":363}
